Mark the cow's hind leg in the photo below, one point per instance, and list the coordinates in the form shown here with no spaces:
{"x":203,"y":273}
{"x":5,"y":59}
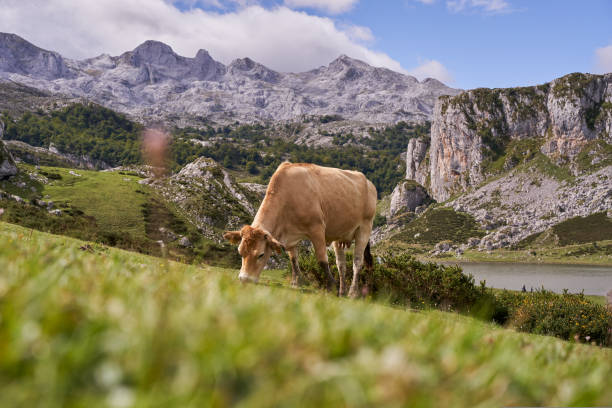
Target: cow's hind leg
{"x":320,"y":248}
{"x":341,"y":263}
{"x":362,"y":238}
{"x":295,"y":267}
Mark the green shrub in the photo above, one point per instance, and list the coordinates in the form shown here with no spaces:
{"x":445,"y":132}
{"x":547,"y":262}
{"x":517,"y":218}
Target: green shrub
{"x":402,"y":280}
{"x":379,"y":220}
{"x":568,"y":316}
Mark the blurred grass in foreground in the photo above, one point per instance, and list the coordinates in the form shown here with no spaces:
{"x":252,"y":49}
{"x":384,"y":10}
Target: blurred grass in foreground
{"x":103,"y":327}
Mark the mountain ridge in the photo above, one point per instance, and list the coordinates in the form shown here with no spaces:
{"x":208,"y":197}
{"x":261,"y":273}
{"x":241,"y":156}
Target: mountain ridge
{"x":153,"y":80}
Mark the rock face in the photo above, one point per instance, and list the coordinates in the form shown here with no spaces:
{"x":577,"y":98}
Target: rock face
{"x":469,"y":130}
{"x":208,"y":196}
{"x":152,"y":80}
{"x":520,"y":204}
{"x":7,"y":164}
{"x":407,"y":196}
{"x":417,"y":163}
{"x":52,"y":156}
{"x":20,"y":57}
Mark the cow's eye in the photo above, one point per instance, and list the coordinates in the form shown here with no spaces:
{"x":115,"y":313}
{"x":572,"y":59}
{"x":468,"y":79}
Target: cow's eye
{"x":260,"y":255}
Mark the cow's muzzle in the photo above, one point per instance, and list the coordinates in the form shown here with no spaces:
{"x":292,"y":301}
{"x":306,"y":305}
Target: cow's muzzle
{"x":244,"y":278}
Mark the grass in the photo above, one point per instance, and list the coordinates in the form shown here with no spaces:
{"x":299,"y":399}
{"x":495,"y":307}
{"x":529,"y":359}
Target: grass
{"x":578,"y":254}
{"x":576,"y":230}
{"x":596,"y":149}
{"x":110,"y":208}
{"x":440,"y":224}
{"x":114,"y":200}
{"x":113,"y":328}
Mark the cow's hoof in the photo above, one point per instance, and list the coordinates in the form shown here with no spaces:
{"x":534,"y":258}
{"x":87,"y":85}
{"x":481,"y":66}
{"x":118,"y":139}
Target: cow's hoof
{"x":332,"y":286}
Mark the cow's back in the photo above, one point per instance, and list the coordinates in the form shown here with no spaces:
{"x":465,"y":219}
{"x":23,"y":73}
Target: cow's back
{"x":341,"y":199}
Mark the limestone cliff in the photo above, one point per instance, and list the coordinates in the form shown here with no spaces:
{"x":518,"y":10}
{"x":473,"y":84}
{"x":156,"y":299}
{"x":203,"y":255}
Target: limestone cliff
{"x":472,"y":131}
{"x":7,"y":164}
{"x":417,"y":162}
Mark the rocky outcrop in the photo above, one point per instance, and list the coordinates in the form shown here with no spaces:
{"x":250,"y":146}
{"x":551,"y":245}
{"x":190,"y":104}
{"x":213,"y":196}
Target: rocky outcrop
{"x":53,"y":157}
{"x":8,"y":167}
{"x":417,"y":162}
{"x":523,"y":203}
{"x":153,"y":81}
{"x":407,"y":196}
{"x":471,"y":130}
{"x":208,"y":196}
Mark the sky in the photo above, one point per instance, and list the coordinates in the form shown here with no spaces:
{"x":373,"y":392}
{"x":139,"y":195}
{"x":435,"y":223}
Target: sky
{"x":464,"y":43}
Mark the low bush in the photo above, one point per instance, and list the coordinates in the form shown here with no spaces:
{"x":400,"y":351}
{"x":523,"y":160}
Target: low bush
{"x":568,"y":316}
{"x":402,"y":280}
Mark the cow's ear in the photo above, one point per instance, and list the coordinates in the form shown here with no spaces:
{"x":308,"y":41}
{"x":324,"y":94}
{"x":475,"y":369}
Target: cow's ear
{"x":233,"y":236}
{"x":274,"y":244}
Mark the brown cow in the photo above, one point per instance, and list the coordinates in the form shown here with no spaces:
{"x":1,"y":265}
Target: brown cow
{"x":306,"y":201}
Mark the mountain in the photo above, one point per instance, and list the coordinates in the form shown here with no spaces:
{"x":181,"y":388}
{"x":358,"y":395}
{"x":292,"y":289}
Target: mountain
{"x":479,"y":131}
{"x":523,"y":162}
{"x":17,"y":56}
{"x":152,"y":81}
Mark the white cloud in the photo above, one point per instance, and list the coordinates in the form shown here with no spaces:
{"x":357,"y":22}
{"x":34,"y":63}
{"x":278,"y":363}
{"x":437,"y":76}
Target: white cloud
{"x":359,"y":33}
{"x":489,"y":6}
{"x":603,"y":59}
{"x":432,"y":69}
{"x":281,"y":38}
{"x":330,"y":6}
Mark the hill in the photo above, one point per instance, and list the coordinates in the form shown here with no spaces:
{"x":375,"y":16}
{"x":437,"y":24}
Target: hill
{"x":106,"y":327}
{"x":114,"y":208}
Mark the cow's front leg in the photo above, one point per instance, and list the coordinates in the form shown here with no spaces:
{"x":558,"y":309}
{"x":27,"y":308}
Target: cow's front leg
{"x":341,"y":264}
{"x":321,"y":253}
{"x":360,"y":243}
{"x":295,"y":267}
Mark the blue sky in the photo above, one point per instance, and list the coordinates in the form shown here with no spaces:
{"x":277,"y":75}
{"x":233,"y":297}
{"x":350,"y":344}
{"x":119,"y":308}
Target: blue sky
{"x":531,"y":42}
{"x":465,"y":43}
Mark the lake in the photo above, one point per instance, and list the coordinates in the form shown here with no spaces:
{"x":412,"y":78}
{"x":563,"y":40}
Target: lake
{"x":594,"y":280}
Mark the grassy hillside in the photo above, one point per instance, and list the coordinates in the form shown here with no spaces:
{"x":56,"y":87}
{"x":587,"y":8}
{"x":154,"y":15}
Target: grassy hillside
{"x":439,"y":224}
{"x":111,"y":208}
{"x":104,"y":327}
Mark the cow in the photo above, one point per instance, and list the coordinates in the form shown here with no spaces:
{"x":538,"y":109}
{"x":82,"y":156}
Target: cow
{"x":304,"y":201}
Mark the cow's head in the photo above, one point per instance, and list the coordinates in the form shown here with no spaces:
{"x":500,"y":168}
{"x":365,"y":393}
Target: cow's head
{"x":255,"y":247}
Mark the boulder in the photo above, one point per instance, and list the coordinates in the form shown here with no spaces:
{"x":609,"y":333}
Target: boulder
{"x":407,"y":196}
{"x":167,"y":234}
{"x":185,"y":242}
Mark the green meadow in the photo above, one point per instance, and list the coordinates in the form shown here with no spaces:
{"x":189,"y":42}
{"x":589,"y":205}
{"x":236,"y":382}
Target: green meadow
{"x":88,"y":325}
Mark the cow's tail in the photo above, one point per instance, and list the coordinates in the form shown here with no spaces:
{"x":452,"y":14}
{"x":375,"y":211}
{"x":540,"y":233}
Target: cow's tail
{"x":367,"y":257}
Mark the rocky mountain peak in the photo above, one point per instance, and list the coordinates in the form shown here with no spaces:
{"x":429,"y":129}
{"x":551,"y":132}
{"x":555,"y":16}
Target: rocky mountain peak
{"x":152,"y":52}
{"x":253,"y":70}
{"x":433,"y":81}
{"x":22,"y":57}
{"x":152,"y":78}
{"x":344,"y":61}
{"x":204,"y":67}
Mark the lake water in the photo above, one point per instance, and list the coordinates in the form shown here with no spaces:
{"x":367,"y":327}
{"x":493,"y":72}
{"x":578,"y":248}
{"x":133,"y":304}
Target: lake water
{"x":594,"y":280}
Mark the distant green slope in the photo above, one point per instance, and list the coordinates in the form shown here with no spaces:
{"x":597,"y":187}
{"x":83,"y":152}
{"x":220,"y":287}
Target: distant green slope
{"x":80,"y":129}
{"x":105,"y":327}
{"x":111,"y":208}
